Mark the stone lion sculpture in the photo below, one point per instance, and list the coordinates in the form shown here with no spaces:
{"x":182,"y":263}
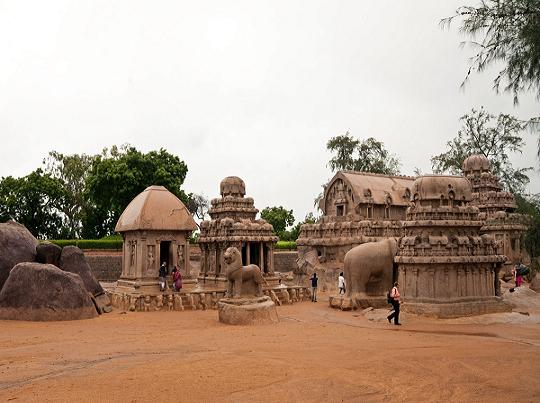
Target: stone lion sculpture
{"x":242,"y":280}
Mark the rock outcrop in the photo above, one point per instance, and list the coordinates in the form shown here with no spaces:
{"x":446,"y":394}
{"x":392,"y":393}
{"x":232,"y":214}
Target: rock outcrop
{"x":43,"y":292}
{"x":73,"y":260}
{"x":48,"y":253}
{"x":17,"y":245}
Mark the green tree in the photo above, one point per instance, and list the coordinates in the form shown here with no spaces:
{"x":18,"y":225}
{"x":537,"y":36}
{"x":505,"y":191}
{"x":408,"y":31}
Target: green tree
{"x":367,"y":155}
{"x":531,"y":207}
{"x":119,"y":174}
{"x":280,"y":218}
{"x":294,"y":233}
{"x":492,"y":137}
{"x":34,"y":201}
{"x":71,"y":171}
{"x":504,"y":33}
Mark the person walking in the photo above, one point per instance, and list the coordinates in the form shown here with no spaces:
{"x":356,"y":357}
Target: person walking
{"x":163,"y":276}
{"x":396,"y":301}
{"x":177,"y":279}
{"x":314,"y":281}
{"x":341,"y":283}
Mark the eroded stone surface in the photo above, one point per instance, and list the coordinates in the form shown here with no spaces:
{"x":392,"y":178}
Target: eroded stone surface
{"x":48,"y":253}
{"x":17,"y":245}
{"x":247,"y":311}
{"x":43,"y":292}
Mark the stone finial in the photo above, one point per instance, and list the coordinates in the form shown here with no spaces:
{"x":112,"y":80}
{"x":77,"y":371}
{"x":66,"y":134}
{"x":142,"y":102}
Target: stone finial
{"x":232,"y":186}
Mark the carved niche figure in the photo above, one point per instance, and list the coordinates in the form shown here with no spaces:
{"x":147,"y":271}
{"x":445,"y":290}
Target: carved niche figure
{"x":147,"y":303}
{"x":159,"y":302}
{"x":178,"y":305}
{"x":241,"y":280}
{"x":132,"y":247}
{"x":170,"y":302}
{"x":151,"y":258}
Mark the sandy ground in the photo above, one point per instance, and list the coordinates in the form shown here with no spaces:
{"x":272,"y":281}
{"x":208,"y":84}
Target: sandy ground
{"x":313,"y":354}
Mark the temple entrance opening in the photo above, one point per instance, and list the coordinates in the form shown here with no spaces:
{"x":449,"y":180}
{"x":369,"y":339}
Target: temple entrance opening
{"x":165,"y":253}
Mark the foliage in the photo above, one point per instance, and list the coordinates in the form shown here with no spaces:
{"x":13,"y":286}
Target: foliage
{"x":198,"y":205}
{"x":294,"y":233}
{"x":531,"y":207}
{"x":286,"y":245}
{"x":71,"y":172}
{"x":367,"y":155}
{"x":509,"y":32}
{"x":492,"y":137}
{"x":280,"y":218}
{"x":118,"y":175}
{"x":34,"y":201}
{"x":90,"y":243}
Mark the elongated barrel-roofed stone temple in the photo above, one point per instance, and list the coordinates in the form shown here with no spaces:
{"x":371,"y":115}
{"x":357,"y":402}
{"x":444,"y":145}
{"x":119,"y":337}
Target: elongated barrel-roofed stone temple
{"x":358,"y":207}
{"x":446,"y":267}
{"x":156,"y":227}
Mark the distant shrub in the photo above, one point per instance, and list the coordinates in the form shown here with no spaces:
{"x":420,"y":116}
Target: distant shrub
{"x":115,"y":244}
{"x":286,"y":245}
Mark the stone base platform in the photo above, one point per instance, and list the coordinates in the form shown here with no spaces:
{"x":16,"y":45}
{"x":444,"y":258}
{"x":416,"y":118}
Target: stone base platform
{"x":347,"y":303}
{"x":247,"y":311}
{"x":457,"y":309}
{"x":201,"y":297}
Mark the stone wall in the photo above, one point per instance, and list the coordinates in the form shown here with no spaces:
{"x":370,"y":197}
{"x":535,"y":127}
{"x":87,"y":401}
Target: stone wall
{"x":105,"y":265}
{"x":285,"y":261}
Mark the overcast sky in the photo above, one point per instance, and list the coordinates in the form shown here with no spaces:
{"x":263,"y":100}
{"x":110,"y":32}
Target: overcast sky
{"x":247,"y":88}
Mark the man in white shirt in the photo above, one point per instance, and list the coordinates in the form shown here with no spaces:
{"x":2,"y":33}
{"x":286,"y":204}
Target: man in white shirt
{"x":341,"y":283}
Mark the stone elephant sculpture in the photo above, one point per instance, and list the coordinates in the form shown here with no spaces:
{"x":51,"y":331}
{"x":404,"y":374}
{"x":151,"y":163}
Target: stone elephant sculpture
{"x":369,"y":268}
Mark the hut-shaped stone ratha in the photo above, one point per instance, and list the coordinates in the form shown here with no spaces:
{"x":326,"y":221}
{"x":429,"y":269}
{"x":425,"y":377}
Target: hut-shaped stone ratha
{"x":156,"y":227}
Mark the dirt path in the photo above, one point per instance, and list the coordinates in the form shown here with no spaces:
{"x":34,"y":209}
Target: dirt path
{"x":313,"y":354}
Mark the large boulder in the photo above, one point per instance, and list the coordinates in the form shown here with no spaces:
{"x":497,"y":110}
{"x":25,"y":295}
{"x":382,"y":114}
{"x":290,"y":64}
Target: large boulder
{"x":48,"y":253}
{"x":73,"y":260}
{"x":535,"y":283}
{"x":43,"y":292}
{"x":17,"y":245}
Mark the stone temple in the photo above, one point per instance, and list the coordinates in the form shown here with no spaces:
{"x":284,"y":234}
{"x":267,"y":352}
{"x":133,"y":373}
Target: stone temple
{"x":358,"y":207}
{"x":445,"y":266}
{"x":233,"y":223}
{"x":497,"y":209}
{"x":156,"y":227}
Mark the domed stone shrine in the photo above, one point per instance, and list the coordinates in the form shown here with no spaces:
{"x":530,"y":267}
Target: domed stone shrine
{"x":156,"y":227}
{"x":446,"y":267}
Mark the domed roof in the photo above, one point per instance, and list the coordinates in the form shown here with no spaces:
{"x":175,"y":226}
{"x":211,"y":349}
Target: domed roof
{"x":155,"y":209}
{"x":476,"y":162}
{"x":435,"y":187}
{"x":232,"y":186}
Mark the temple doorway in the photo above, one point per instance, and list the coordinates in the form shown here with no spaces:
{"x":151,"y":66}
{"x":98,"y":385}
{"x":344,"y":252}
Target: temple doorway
{"x":164,"y":254}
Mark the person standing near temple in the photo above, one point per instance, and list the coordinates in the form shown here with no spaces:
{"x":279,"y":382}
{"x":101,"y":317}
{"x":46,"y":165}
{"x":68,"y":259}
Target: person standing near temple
{"x":314,"y":281}
{"x":163,"y":276}
{"x":396,"y":301}
{"x":177,"y":279}
{"x":341,"y":283}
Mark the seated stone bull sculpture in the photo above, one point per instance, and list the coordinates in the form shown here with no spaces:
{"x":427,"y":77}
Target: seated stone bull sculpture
{"x":242,"y":280}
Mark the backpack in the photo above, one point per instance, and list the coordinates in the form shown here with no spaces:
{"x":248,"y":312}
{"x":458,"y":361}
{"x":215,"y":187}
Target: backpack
{"x":389,"y":299}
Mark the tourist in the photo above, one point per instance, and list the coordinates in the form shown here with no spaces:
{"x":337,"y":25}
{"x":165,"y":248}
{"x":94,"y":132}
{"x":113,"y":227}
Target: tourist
{"x":341,"y":283}
{"x":177,"y":279}
{"x":314,"y":281}
{"x":396,"y":301}
{"x":163,"y":276}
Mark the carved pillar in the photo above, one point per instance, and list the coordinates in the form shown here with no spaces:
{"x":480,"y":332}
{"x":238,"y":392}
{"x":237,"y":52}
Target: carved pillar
{"x":271,"y":265}
{"x":186,"y":259}
{"x":248,"y":253}
{"x":261,"y":256}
